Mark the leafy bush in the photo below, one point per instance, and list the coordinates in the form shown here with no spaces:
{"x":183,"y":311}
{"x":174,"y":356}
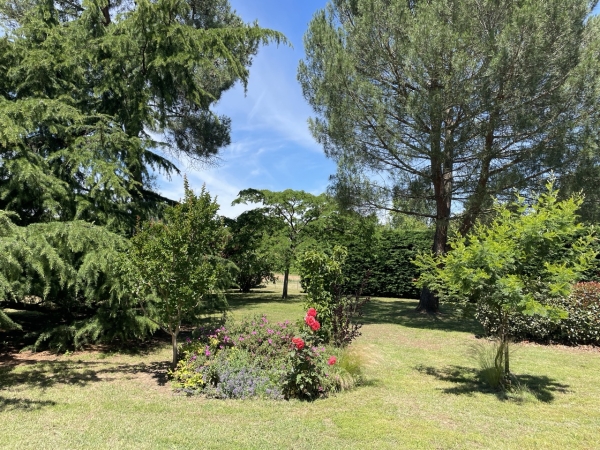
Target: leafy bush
{"x":322,"y":279}
{"x":520,"y":263}
{"x":254,"y":358}
{"x":582,"y":326}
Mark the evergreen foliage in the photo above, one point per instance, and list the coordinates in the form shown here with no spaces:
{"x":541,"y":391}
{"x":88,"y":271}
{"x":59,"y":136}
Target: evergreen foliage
{"x":427,"y":106}
{"x":248,"y":248}
{"x":83,"y":85}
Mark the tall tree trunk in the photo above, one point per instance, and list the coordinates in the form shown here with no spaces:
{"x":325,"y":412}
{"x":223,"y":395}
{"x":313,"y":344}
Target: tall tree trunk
{"x":442,"y":178}
{"x":286,"y":276}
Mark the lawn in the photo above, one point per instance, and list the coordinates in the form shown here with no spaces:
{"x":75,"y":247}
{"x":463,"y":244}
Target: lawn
{"x":421,"y":391}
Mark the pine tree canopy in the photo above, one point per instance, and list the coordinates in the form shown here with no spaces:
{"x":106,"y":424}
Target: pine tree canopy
{"x":94,"y":97}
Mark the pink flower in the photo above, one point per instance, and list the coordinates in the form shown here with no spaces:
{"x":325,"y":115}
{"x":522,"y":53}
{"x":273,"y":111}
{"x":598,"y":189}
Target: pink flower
{"x":332,"y":360}
{"x":311,"y":312}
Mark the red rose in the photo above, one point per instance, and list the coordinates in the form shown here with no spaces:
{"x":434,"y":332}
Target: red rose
{"x":315,"y":325}
{"x":309,"y":320}
{"x":299,"y":343}
{"x":332,"y":360}
{"x":311,"y":312}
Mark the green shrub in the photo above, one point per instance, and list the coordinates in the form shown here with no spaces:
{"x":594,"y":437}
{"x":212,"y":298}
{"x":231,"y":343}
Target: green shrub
{"x":388,"y":258}
{"x":582,"y":326}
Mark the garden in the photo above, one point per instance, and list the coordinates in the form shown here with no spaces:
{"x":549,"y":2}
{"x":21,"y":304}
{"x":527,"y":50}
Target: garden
{"x":438,"y":288}
{"x":421,"y":388}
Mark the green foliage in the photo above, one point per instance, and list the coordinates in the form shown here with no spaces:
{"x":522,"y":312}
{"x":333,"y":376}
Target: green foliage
{"x":426,"y":106}
{"x":320,"y":275}
{"x":296,"y":214}
{"x":76,"y":270}
{"x":179,"y":260}
{"x":580,"y":327}
{"x":528,"y":255}
{"x":387,"y":258}
{"x":81,"y":85}
{"x":248,"y":248}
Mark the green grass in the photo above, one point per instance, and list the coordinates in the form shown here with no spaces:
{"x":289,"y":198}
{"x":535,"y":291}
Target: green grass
{"x":422,"y":391}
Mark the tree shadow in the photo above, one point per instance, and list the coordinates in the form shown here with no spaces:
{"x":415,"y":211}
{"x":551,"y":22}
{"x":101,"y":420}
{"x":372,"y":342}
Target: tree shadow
{"x":468,"y":381}
{"x":47,"y":374}
{"x":11,"y":404}
{"x":403,"y":312}
{"x":240,"y":300}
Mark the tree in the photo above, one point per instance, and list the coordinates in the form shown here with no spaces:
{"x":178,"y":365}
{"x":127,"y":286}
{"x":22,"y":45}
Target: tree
{"x":92,"y":94}
{"x":296,"y":211}
{"x":94,"y":97}
{"x":179,"y":261}
{"x":526,"y":256}
{"x":248,"y":249}
{"x":432,"y":107}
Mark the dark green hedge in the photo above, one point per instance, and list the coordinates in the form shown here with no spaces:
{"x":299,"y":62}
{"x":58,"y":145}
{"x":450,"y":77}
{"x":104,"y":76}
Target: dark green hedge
{"x":388,"y":256}
{"x":581,"y":327}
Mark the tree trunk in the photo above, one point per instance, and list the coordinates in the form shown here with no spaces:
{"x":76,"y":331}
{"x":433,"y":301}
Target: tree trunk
{"x":285,"y":283}
{"x":442,"y":179}
{"x":428,"y":301}
{"x":174,"y":342}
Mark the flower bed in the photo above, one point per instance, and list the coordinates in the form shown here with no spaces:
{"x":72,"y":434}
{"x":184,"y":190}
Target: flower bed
{"x":255,"y":358}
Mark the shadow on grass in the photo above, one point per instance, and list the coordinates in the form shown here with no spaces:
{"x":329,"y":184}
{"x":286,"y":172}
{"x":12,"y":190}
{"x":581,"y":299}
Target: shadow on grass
{"x":47,"y":374}
{"x":11,"y":404}
{"x":468,"y":381}
{"x":402,"y":312}
{"x":240,"y":300}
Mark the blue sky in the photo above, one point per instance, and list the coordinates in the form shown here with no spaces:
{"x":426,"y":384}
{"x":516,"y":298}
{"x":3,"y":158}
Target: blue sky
{"x":271,"y":147}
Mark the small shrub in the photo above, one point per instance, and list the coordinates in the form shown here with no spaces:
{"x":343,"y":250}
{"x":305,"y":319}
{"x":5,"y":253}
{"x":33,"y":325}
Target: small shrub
{"x":582,"y":326}
{"x":346,"y":371}
{"x":322,"y":279}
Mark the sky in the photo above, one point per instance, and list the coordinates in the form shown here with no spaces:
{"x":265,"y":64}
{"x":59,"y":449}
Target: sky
{"x":271,"y":146}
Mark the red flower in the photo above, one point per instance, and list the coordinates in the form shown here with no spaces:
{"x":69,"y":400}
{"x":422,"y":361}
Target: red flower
{"x":312,"y":323}
{"x":311,"y":312}
{"x":299,"y":343}
{"x":332,"y":360}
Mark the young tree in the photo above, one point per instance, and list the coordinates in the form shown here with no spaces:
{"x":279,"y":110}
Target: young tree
{"x":427,"y":106}
{"x":529,"y":254}
{"x":178,"y":260}
{"x":296,"y":211}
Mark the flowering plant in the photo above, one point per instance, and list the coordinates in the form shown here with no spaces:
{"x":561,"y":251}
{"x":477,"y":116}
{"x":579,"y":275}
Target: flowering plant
{"x":256,"y":358}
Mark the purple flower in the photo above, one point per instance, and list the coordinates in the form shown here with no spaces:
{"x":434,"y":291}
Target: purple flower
{"x":253,"y":332}
{"x":270,"y":341}
{"x":188,"y":340}
{"x":269,"y":331}
{"x":207,"y":352}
